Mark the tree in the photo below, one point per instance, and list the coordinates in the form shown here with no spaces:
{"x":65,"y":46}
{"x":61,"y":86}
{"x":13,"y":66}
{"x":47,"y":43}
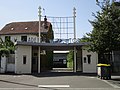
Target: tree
{"x":6,"y":47}
{"x":105,"y":36}
{"x":70,"y":57}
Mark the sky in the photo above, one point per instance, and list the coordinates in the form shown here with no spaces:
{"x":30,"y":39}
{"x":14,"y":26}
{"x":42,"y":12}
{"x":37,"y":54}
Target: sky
{"x":27,"y":10}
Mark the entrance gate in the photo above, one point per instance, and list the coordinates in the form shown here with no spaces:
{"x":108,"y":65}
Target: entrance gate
{"x":62,"y":27}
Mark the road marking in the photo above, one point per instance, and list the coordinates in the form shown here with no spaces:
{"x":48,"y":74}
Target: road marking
{"x":86,"y":89}
{"x":59,"y":89}
{"x":114,"y":86}
{"x":55,"y":86}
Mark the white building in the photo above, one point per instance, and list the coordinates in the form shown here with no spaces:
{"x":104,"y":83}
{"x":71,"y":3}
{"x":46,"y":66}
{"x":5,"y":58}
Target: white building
{"x":23,"y":32}
{"x":90,"y":61}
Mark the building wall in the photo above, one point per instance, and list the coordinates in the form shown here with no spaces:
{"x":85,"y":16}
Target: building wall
{"x":3,"y":64}
{"x":20,"y":52}
{"x":116,"y":61}
{"x":11,"y":67}
{"x":2,"y":37}
{"x":11,"y":63}
{"x":89,"y":67}
{"x":30,"y":38}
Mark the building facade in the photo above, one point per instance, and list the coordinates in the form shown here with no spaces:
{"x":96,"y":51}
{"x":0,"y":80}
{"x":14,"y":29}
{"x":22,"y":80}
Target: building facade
{"x":34,"y":57}
{"x":25,"y":55}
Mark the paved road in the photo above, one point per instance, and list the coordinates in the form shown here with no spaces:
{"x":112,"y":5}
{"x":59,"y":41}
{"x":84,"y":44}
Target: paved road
{"x":55,"y":81}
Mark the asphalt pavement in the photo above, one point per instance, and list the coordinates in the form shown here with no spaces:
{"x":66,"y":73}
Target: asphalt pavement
{"x":57,"y":81}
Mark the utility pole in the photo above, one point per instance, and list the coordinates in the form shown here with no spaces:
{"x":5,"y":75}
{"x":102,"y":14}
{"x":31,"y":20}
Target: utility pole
{"x":39,"y":60}
{"x":39,"y":14}
{"x":74,"y":21}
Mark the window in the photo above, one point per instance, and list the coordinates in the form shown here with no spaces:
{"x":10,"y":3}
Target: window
{"x":24,"y":38}
{"x":7,"y":38}
{"x":89,"y":59}
{"x":36,"y":54}
{"x":24,"y":59}
{"x":85,"y":60}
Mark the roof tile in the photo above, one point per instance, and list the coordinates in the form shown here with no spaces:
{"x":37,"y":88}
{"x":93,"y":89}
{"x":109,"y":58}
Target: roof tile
{"x":23,"y":28}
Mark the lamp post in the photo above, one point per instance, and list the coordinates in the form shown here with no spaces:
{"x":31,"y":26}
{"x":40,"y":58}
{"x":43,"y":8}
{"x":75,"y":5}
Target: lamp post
{"x":39,"y":14}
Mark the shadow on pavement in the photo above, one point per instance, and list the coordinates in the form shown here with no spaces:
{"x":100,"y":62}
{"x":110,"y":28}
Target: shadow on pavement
{"x":58,"y":74}
{"x":54,"y":74}
{"x":17,"y":83}
{"x":116,"y":79}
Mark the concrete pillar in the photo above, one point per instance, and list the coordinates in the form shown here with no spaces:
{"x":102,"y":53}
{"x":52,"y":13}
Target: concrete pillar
{"x":39,"y":66}
{"x":79,"y":60}
{"x":74,"y":65}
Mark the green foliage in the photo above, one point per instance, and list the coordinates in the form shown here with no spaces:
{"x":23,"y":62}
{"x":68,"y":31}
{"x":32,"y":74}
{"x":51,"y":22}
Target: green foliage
{"x":6,"y":47}
{"x":49,"y":54}
{"x":85,"y":39}
{"x":105,"y":36}
{"x":4,"y":51}
{"x":50,"y":34}
{"x":70,"y":57}
{"x":50,"y":59}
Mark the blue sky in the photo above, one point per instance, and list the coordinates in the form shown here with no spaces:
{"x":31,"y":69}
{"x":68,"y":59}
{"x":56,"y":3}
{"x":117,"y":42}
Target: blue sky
{"x":27,"y":10}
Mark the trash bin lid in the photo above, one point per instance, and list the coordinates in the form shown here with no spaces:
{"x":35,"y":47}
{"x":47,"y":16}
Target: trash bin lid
{"x":103,"y":65}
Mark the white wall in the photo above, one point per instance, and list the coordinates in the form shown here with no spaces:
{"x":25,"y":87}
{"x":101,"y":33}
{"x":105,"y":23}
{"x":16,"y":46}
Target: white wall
{"x":11,"y":63}
{"x":92,"y":67}
{"x":3,"y":37}
{"x":19,"y":53}
{"x":3,"y":64}
{"x":10,"y":67}
{"x":32,"y":38}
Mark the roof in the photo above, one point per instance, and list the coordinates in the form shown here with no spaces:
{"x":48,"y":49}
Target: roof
{"x":54,"y":46}
{"x":23,"y":28}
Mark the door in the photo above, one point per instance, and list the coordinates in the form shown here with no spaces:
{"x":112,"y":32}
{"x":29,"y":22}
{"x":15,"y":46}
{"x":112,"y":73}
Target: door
{"x":35,"y":65}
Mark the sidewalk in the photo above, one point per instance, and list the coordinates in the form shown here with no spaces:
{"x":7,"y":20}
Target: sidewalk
{"x":115,"y":79}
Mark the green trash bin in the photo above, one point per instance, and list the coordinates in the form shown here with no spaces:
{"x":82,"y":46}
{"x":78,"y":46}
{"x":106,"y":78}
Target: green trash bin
{"x":104,"y":71}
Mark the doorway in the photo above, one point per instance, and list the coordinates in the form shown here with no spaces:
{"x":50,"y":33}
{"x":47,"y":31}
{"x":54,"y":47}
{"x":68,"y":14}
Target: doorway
{"x":34,"y":59}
